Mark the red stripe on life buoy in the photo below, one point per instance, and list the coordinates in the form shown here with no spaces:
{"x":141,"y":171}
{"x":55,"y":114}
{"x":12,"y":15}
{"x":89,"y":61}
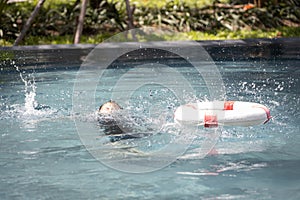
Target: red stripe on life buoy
{"x":228,"y":105}
{"x":210,"y":121}
{"x":268,"y":113}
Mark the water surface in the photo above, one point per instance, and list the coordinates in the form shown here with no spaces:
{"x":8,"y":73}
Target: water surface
{"x":42,"y":156}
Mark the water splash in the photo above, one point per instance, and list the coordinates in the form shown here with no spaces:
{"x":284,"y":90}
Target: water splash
{"x":31,"y":112}
{"x":31,"y":104}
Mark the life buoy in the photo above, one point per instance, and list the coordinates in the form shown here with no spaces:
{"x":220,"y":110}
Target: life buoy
{"x":229,"y":113}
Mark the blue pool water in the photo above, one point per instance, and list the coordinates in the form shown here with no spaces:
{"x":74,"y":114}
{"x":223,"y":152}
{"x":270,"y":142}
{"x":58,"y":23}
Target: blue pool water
{"x":42,"y":156}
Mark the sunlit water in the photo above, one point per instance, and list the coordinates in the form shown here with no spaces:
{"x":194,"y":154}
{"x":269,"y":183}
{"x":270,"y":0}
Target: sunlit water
{"x":42,"y":157}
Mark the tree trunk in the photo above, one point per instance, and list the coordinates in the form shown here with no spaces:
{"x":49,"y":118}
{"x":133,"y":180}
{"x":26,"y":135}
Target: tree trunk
{"x":29,"y":22}
{"x":80,"y":22}
{"x":129,"y":14}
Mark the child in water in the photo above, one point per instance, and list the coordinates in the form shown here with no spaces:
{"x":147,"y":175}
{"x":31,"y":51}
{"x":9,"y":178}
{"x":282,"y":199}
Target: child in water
{"x":109,"y":108}
{"x":110,"y":125}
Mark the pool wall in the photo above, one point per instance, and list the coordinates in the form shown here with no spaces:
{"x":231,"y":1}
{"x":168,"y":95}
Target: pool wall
{"x":221,"y":50}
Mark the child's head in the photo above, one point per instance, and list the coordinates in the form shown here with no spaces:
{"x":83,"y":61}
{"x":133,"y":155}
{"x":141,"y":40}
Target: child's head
{"x":109,"y":107}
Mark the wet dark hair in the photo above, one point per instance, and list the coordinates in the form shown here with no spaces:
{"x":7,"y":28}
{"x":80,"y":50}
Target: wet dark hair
{"x":110,"y":101}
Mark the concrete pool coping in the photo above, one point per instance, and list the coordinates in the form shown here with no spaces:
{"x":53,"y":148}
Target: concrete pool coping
{"x":205,"y":43}
{"x":219,"y":50}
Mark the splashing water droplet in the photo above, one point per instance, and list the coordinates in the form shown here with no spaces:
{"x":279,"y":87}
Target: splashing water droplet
{"x":30,"y":93}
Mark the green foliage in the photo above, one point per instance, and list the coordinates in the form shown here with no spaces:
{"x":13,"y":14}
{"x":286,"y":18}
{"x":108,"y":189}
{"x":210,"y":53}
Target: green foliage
{"x":181,"y":17}
{"x":3,"y":6}
{"x":160,"y":4}
{"x":54,"y":20}
{"x":196,"y":19}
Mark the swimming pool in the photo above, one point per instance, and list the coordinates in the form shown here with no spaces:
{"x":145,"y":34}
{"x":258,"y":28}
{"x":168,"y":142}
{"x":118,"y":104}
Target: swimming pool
{"x":42,"y":156}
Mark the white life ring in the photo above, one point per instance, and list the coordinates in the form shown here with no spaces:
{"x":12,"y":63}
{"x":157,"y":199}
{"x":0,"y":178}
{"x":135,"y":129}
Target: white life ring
{"x":228,"y":113}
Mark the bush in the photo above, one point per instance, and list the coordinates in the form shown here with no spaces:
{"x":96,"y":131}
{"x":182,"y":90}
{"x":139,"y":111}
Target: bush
{"x":107,"y":16}
{"x":59,"y":20}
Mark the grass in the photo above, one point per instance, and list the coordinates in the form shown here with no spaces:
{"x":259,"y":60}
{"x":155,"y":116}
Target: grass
{"x":53,"y":3}
{"x":241,"y":34}
{"x":137,"y":3}
{"x":160,"y":3}
{"x":66,"y":39}
{"x":192,"y":35}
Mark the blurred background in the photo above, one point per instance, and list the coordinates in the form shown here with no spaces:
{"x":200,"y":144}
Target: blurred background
{"x":36,"y":22}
